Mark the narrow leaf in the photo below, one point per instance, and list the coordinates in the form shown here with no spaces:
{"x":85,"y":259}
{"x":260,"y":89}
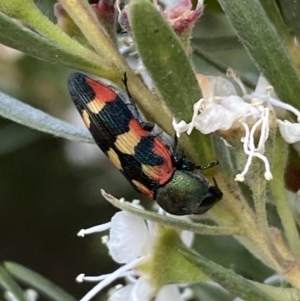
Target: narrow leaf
{"x":278,"y":189}
{"x":24,"y":114}
{"x":38,"y":282}
{"x":168,"y":65}
{"x":177,"y":223}
{"x":212,"y":44}
{"x":86,"y":20}
{"x":265,"y":46}
{"x":17,"y":36}
{"x":279,"y":293}
{"x":291,"y":13}
{"x":165,"y":58}
{"x":234,"y":283}
{"x":274,"y":15}
{"x":10,"y":285}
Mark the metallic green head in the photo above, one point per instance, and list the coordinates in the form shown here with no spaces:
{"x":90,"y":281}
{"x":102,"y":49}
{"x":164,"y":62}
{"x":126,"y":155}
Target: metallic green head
{"x":188,"y":192}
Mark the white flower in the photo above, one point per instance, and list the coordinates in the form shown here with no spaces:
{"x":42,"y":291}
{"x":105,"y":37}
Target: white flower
{"x":222,"y":109}
{"x":130,"y":243}
{"x":289,"y":131}
{"x":168,"y":292}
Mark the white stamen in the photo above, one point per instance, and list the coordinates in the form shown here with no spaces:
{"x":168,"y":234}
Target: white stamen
{"x":80,"y":278}
{"x":236,"y":78}
{"x":31,"y":294}
{"x":105,"y":239}
{"x":247,"y":133}
{"x":265,"y":129}
{"x":278,"y":103}
{"x":81,"y":233}
{"x":268,"y":175}
{"x":96,"y":229}
{"x":256,"y":101}
{"x":269,"y":90}
{"x":252,"y":151}
{"x":115,"y":275}
{"x":251,"y":144}
{"x":239,"y":178}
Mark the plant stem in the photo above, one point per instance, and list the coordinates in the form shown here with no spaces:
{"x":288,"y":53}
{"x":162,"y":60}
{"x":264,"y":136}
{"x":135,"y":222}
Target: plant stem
{"x":280,"y":198}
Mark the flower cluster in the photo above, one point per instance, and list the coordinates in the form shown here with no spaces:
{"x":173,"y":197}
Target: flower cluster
{"x":131,"y":242}
{"x":248,"y":118}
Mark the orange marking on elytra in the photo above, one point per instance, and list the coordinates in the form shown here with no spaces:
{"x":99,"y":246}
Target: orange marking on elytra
{"x":142,"y":188}
{"x":103,"y":93}
{"x":127,"y":141}
{"x":95,"y":106}
{"x":135,"y":126}
{"x":86,"y":118}
{"x":114,"y":158}
{"x":160,"y":173}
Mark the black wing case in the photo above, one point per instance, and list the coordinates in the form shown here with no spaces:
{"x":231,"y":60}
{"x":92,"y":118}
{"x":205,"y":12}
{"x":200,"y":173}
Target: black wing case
{"x":143,"y":159}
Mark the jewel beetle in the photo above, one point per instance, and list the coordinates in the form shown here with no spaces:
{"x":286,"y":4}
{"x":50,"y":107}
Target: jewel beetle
{"x":152,"y":167}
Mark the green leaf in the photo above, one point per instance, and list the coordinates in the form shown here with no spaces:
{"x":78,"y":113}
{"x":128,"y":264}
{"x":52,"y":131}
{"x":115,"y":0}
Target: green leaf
{"x":291,"y":13}
{"x":24,"y":114}
{"x":274,"y":15}
{"x":265,"y":46}
{"x":210,"y":291}
{"x":211,"y":44}
{"x":280,"y":198}
{"x":10,"y":285}
{"x":279,"y":293}
{"x":231,"y":281}
{"x":164,"y":57}
{"x":38,"y":282}
{"x":17,"y":36}
{"x":176,"y":223}
{"x":169,"y":67}
{"x":85,"y":18}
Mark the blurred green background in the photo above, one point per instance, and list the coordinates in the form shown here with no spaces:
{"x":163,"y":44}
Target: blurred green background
{"x":50,"y":188}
